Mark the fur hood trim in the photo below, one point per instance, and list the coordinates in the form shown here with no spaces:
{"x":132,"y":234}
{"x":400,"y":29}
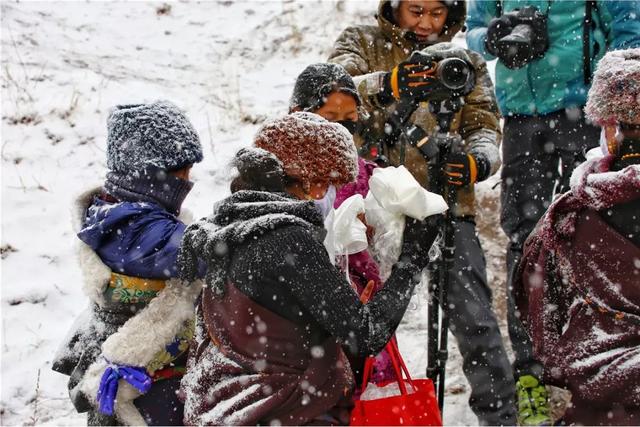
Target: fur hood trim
{"x":95,"y":275}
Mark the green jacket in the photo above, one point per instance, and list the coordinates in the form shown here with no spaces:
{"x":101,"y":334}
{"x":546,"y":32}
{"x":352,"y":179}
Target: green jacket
{"x":368,"y":51}
{"x":555,"y":81}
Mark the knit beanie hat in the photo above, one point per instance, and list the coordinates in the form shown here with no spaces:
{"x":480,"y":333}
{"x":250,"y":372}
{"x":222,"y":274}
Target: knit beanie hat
{"x":316,"y":82}
{"x":310,"y":148}
{"x":156,"y":134}
{"x":614,"y":96}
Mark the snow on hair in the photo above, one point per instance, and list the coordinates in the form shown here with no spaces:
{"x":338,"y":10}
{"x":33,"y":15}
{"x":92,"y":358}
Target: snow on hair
{"x":257,"y":169}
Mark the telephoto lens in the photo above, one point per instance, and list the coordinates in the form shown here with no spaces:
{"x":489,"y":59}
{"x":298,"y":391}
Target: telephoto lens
{"x":454,"y":73}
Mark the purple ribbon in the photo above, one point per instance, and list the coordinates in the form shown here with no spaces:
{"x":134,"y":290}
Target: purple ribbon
{"x":134,"y":375}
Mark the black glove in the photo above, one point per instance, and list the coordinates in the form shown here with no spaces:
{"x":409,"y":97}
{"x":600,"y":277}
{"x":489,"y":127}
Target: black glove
{"x":412,"y":79}
{"x":417,"y":239}
{"x":497,"y":29}
{"x":420,"y":139}
{"x":518,"y":37}
{"x":462,"y":169}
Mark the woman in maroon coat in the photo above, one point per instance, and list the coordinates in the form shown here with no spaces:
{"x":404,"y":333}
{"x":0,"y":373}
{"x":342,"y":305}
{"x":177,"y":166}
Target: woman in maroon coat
{"x":275,"y":314}
{"x":578,"y":285}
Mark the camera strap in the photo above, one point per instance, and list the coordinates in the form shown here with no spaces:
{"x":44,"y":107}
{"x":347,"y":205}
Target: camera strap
{"x":587,"y":25}
{"x":499,"y":8}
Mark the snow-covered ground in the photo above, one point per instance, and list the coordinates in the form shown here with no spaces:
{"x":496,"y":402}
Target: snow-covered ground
{"x":229,"y":64}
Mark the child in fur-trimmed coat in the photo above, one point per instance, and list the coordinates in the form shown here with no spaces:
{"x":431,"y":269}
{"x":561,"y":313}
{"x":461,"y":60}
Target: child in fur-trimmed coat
{"x":126,"y":354}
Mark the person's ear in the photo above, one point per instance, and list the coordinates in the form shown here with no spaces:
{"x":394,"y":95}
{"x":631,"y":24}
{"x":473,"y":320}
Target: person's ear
{"x":182,"y":173}
{"x":611,"y":134}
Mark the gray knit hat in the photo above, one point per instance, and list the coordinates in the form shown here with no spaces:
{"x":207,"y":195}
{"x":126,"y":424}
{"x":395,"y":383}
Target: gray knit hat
{"x":156,"y":134}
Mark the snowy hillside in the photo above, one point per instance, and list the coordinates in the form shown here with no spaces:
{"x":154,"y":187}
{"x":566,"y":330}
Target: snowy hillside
{"x":228,"y":64}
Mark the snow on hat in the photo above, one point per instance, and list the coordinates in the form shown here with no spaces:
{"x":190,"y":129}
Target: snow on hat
{"x":614,"y":96}
{"x":156,"y":134}
{"x":310,"y":148}
{"x":316,"y":82}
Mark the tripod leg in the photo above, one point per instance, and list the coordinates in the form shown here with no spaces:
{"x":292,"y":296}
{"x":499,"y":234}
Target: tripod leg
{"x":432,"y":343}
{"x":445,"y":264}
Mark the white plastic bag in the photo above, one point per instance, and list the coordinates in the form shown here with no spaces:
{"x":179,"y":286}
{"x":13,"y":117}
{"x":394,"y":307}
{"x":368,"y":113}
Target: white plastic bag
{"x":346,"y":234}
{"x":398,"y":192}
{"x":393,"y":194}
{"x":387,"y":238}
{"x":373,"y":392}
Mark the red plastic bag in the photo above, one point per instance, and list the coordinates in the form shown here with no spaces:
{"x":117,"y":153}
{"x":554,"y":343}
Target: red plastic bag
{"x":418,"y":408}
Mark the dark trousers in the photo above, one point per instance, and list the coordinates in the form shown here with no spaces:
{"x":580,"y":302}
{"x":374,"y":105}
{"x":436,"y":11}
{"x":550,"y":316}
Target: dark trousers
{"x":160,"y":406}
{"x":539,"y":153}
{"x":474,"y":325}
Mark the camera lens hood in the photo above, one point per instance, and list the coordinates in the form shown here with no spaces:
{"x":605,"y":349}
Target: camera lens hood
{"x":454,"y":73}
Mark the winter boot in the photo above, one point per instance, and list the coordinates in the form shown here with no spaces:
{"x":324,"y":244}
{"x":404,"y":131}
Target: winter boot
{"x":533,"y":402}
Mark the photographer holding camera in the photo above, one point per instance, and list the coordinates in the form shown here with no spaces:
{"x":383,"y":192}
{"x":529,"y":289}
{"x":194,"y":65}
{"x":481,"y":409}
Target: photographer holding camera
{"x":546,"y":52}
{"x":396,"y":84}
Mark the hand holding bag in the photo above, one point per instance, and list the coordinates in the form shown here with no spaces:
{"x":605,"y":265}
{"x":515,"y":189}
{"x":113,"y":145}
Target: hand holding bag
{"x":417,"y":407}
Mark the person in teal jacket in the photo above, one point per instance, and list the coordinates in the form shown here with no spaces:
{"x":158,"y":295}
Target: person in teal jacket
{"x":545,"y":135}
{"x":556,"y":81}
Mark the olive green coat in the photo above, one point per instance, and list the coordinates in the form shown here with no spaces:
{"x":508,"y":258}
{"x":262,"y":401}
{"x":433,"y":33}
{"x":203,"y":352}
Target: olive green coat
{"x":368,"y":51}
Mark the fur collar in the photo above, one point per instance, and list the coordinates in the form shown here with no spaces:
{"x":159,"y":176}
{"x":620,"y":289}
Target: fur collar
{"x":593,"y":186}
{"x":95,"y":275}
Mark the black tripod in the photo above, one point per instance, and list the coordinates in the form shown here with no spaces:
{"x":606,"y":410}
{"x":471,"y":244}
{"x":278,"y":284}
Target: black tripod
{"x":446,"y":143}
{"x":436,"y":148}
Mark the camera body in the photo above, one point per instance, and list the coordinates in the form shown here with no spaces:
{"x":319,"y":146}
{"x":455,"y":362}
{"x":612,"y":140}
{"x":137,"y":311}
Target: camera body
{"x":454,"y":77}
{"x":528,"y":39}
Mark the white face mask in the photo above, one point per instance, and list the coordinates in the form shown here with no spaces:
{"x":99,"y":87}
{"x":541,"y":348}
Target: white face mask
{"x":603,"y":142}
{"x":325,"y":205}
